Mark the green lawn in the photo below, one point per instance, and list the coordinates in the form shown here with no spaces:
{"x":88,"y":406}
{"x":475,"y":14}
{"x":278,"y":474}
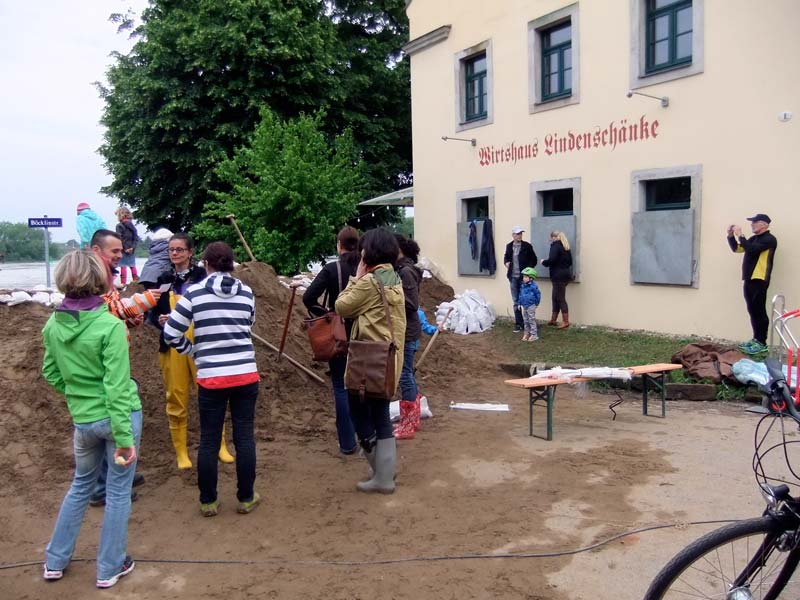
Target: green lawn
{"x":590,"y":346}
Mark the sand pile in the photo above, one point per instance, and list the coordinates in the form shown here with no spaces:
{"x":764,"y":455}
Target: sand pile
{"x":35,"y":428}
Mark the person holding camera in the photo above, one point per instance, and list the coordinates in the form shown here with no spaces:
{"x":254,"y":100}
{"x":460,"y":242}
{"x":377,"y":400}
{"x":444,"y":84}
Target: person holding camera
{"x":759,"y":253}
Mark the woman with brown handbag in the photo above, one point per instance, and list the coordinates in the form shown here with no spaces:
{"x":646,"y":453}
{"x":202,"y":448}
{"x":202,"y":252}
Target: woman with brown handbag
{"x":374,"y":300}
{"x":330,"y":281}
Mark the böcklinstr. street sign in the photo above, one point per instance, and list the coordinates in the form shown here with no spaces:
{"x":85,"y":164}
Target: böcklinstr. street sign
{"x":45,"y":222}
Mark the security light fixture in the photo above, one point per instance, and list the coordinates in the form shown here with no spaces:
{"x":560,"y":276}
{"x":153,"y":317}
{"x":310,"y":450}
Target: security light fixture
{"x":472,"y":141}
{"x":663,"y":99}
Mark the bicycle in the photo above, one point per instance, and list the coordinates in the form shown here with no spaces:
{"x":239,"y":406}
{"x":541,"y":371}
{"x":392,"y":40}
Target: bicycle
{"x":755,"y":558}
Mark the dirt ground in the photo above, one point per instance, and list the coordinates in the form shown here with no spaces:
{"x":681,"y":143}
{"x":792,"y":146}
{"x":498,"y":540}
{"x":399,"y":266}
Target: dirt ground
{"x":470,"y":483}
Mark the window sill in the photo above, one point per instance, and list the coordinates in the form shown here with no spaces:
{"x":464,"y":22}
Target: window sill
{"x":553,"y":103}
{"x":667,"y":68}
{"x":465,"y":125}
{"x":667,"y":74}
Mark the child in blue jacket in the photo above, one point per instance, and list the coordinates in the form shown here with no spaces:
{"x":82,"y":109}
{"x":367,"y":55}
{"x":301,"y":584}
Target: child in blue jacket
{"x":529,"y":298}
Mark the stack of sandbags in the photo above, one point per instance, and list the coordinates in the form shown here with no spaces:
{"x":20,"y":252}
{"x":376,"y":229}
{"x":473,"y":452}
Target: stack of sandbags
{"x":470,"y":313}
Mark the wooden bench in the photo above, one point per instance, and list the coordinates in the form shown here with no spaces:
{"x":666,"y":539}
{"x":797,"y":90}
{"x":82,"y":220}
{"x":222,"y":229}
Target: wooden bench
{"x":545,"y":390}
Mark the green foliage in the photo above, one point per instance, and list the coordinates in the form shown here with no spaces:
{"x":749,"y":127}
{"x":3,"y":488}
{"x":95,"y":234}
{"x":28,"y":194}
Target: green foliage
{"x":20,"y":243}
{"x":290,"y":191}
{"x":190,"y":91}
{"x":404,"y":226}
{"x":143,"y":247}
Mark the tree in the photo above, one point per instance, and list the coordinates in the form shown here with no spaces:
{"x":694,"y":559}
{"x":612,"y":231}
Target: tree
{"x":20,"y":243}
{"x":190,"y":90}
{"x":290,"y":189}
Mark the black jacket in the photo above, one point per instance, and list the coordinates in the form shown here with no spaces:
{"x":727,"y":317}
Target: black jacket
{"x":196,"y":273}
{"x":128,"y":233}
{"x":325,"y":281}
{"x":412,"y":278}
{"x":487,"y":259}
{"x":759,"y":252}
{"x":527,"y":257}
{"x":559,"y":262}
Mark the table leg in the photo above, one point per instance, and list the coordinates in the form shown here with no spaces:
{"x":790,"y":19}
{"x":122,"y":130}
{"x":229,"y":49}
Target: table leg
{"x":548,"y":395}
{"x":659,"y":383}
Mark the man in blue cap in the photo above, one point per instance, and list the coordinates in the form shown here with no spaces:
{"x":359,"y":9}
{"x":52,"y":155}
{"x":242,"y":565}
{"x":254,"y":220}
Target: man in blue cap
{"x":759,"y":252}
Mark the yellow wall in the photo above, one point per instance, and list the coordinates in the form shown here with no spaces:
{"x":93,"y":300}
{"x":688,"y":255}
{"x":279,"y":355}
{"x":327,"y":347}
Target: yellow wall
{"x":725,"y":119}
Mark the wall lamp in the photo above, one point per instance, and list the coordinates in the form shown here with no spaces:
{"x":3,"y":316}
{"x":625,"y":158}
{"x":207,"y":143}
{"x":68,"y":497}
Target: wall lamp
{"x":472,"y":141}
{"x":663,"y":99}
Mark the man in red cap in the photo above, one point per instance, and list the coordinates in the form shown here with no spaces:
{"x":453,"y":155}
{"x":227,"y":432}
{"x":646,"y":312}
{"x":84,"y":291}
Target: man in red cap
{"x":88,"y":222}
{"x":759,"y":252}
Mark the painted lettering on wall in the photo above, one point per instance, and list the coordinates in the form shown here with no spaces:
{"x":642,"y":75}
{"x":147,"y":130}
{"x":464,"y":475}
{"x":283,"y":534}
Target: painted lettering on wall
{"x":609,"y":137}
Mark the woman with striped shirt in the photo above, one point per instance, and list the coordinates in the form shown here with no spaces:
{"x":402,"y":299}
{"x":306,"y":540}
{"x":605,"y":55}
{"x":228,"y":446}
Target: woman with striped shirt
{"x":222,"y":310}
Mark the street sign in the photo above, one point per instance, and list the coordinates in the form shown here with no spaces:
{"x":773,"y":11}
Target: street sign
{"x":45,"y":222}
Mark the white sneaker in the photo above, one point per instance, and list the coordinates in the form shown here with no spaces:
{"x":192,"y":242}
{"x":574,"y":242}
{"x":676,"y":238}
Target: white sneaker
{"x":52,"y":574}
{"x":127,"y":567}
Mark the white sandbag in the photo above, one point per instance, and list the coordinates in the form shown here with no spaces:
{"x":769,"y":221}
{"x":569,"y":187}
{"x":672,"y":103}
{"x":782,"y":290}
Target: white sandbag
{"x":56,"y":298}
{"x":424,"y":409}
{"x":5,"y":298}
{"x":426,"y":264}
{"x":473,"y":325}
{"x":19,"y":298}
{"x":42,"y":298}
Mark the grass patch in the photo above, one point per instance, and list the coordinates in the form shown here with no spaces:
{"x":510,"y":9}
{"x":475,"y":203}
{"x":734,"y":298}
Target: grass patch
{"x":604,"y":347}
{"x":591,"y":345}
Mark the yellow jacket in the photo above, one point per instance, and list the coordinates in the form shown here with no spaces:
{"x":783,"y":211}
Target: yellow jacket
{"x":361,"y":301}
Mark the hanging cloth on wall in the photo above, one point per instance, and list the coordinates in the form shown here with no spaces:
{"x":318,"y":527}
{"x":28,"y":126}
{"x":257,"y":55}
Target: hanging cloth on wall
{"x":488,"y":261}
{"x":473,"y":240}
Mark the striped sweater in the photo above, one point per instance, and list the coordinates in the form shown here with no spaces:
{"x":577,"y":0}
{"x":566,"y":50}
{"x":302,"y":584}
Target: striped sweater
{"x":223,"y":312}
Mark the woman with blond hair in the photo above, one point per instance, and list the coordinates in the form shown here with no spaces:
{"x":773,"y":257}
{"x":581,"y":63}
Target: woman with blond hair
{"x":86,"y":359}
{"x":560,"y":264}
{"x":130,"y":238}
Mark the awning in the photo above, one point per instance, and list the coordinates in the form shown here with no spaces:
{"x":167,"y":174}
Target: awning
{"x":404,"y":197}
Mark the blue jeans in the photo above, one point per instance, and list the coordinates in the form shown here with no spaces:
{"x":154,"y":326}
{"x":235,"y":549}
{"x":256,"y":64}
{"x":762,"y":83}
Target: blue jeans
{"x":344,"y":424}
{"x":213,"y":403}
{"x":92,"y":442}
{"x":408,"y":383}
{"x":100,"y":487}
{"x":515,"y":283}
{"x":371,"y":419}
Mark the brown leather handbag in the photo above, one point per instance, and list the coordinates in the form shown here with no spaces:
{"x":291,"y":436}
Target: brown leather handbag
{"x":327,"y":334}
{"x":371,"y":364}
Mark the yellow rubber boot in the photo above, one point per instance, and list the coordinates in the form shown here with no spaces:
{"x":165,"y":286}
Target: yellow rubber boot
{"x":224,"y":455}
{"x":178,"y":434}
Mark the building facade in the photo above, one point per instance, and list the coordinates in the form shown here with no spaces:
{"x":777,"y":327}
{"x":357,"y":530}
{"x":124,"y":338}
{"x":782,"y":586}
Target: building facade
{"x":640,"y":128}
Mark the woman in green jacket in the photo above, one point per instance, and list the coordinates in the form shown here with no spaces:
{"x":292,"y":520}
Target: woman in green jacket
{"x":86,"y":359}
{"x":361,"y":301}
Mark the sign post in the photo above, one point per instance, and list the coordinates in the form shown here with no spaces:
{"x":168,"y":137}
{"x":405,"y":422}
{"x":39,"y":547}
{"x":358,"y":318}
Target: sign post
{"x":45,"y":224}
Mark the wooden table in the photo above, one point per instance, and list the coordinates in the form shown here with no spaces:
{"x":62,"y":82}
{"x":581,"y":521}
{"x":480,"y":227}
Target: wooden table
{"x":544,"y":390}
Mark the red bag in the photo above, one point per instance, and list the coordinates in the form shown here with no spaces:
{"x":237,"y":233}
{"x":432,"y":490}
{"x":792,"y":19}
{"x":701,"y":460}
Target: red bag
{"x":327,"y":334}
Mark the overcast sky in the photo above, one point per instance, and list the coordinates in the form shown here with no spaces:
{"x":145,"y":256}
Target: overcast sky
{"x":51,"y":52}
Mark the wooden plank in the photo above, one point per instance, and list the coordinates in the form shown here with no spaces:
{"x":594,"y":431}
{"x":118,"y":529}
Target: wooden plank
{"x":527,"y":383}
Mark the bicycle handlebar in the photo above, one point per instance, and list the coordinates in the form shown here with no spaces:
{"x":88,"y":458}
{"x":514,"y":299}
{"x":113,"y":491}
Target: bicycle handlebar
{"x":777,"y":389}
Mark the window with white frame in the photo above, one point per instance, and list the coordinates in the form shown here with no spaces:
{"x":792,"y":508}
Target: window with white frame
{"x":473,"y":94}
{"x":666,"y":40}
{"x":554,"y":65}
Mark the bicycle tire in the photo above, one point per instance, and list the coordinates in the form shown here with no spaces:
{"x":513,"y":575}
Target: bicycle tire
{"x":681,"y":576}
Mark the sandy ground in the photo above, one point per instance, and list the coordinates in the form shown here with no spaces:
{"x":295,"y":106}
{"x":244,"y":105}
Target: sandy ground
{"x":470,"y":484}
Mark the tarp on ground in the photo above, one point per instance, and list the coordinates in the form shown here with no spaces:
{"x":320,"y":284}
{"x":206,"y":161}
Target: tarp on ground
{"x":707,"y":360}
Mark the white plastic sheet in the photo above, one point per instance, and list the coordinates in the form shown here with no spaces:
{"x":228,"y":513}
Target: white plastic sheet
{"x":490,"y":407}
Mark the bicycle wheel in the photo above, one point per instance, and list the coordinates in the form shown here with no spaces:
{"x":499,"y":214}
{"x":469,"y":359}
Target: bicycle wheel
{"x":741,"y":561}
